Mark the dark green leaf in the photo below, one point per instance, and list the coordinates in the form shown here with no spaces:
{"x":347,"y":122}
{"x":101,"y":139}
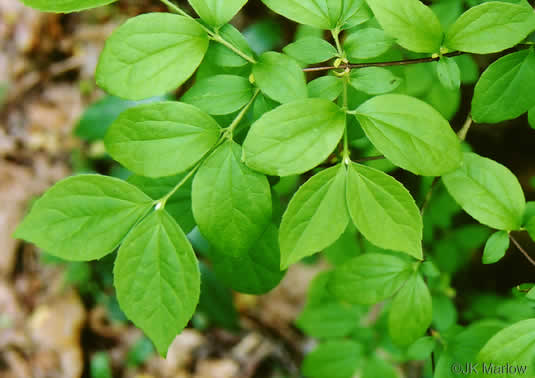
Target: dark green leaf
{"x":178,"y":205}
{"x":411,"y":311}
{"x":370,"y":278}
{"x":336,"y":359}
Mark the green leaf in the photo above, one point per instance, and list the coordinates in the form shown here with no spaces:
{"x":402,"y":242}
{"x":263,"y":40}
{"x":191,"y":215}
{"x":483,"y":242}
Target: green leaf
{"x":157,"y":278}
{"x":490,"y":27}
{"x":264,"y":35}
{"x":99,"y":116}
{"x":505,"y":89}
{"x":220,"y":94}
{"x":487,"y":191}
{"x":316,"y":216}
{"x":384,"y":211}
{"x":323,"y":14}
{"x":84,"y":217}
{"x":294,"y":138}
{"x":255,"y":272}
{"x":144,"y":57}
{"x":514,"y":345}
{"x":370,"y":278}
{"x":463,"y":347}
{"x":327,"y":87}
{"x":411,"y":134}
{"x":308,"y":12}
{"x":336,"y":359}
{"x":413,"y":24}
{"x":444,"y":312}
{"x":411,"y":311}
{"x":216,"y":301}
{"x":231,"y":203}
{"x":61,"y":6}
{"x":280,"y":77}
{"x":448,"y":11}
{"x":376,"y":366}
{"x":178,"y":205}
{"x":496,"y":247}
{"x":422,"y":348}
{"x":217,"y":12}
{"x":329,"y":320}
{"x":530,"y":227}
{"x":161,"y":139}
{"x":367,"y":43}
{"x":345,"y":248}
{"x":374,"y":80}
{"x":311,"y":50}
{"x":469,"y":69}
{"x":100,"y":365}
{"x":531,"y":117}
{"x":449,"y":73}
{"x":221,"y":55}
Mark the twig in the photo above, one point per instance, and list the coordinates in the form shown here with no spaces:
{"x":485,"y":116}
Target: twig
{"x":467,"y":124}
{"x":370,"y":158}
{"x":517,"y":244}
{"x":382,"y":64}
{"x":429,"y":195}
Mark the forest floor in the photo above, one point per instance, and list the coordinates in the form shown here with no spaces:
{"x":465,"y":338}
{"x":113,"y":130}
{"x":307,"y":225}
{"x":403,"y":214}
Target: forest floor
{"x":48,"y":326}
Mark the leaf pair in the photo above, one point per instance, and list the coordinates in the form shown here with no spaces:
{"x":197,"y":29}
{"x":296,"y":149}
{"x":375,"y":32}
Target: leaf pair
{"x":373,"y":277}
{"x":156,"y":274}
{"x":380,"y":207}
{"x":323,"y":14}
{"x":487,"y":28}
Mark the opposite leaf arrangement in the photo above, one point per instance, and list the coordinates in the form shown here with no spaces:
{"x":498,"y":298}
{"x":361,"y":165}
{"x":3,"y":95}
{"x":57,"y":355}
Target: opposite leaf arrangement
{"x":190,"y":171}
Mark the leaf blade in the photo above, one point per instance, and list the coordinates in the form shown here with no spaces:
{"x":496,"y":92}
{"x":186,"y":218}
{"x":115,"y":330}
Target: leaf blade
{"x":316,"y":216}
{"x":294,"y":137}
{"x":488,"y":191}
{"x":411,"y":134}
{"x":157,"y":278}
{"x":135,"y":65}
{"x":396,"y":222}
{"x":161,"y":139}
{"x":231,"y":203}
{"x":84,"y":217}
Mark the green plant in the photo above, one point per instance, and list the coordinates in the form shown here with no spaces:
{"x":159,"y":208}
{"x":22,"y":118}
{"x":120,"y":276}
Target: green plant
{"x":392,"y":84}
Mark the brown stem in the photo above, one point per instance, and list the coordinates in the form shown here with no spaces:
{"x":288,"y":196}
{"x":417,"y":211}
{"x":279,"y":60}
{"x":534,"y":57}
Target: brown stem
{"x":467,"y":124}
{"x":370,"y":158}
{"x":517,"y":244}
{"x":382,"y":64}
